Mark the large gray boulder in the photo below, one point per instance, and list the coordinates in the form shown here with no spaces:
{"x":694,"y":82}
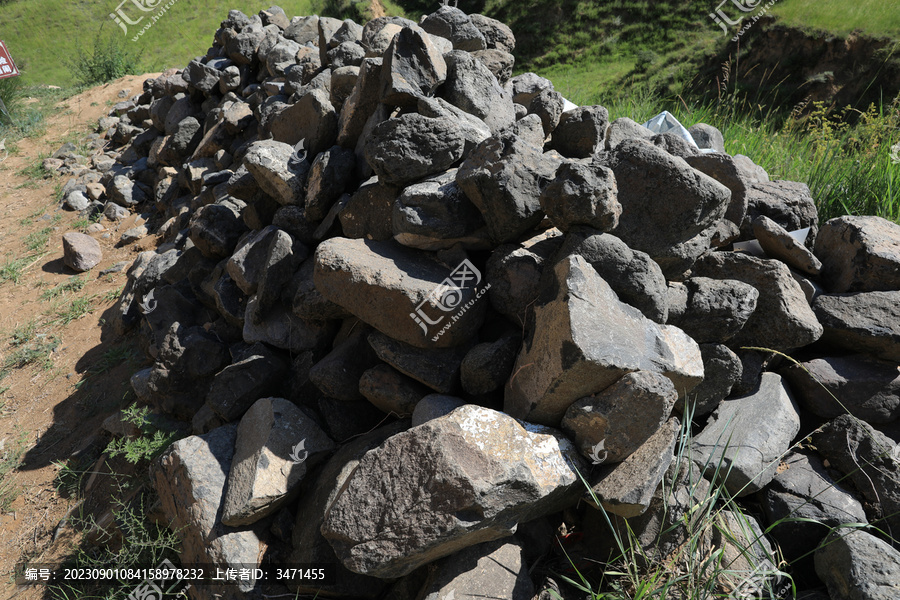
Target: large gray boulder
{"x":410,"y":147}
{"x":745,"y":438}
{"x":276,"y":445}
{"x":856,"y":565}
{"x":504,"y":177}
{"x":397,"y":291}
{"x":867,"y":322}
{"x":453,"y":24}
{"x":569,"y":353}
{"x":783,"y":318}
{"x":311,"y":118}
{"x":634,"y":277}
{"x":413,"y":67}
{"x":724,"y":169}
{"x":868,"y":459}
{"x":859,"y":254}
{"x":711,"y":310}
{"x":581,"y":132}
{"x":778,"y":243}
{"x":472,"y":87}
{"x":81,"y":252}
{"x":804,"y":490}
{"x":865,"y":387}
{"x":190,"y":481}
{"x":788,"y":203}
{"x":459,"y":480}
{"x":489,"y":570}
{"x":664,"y":201}
{"x":622,"y":417}
{"x":267,"y":161}
{"x":582,"y":195}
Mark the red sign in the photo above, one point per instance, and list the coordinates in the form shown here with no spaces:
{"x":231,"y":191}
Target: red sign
{"x":7,"y":66}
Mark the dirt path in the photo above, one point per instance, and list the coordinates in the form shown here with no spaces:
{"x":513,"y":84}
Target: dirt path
{"x":62,"y":378}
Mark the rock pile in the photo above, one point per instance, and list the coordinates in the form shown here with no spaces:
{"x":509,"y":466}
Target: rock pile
{"x":405,"y":298}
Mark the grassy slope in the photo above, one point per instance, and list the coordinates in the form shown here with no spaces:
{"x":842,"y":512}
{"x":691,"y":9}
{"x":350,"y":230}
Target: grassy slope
{"x":184,"y":31}
{"x":841,"y":16}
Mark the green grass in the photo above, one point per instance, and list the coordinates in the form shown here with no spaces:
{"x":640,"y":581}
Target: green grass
{"x":840,"y":16}
{"x":37,"y":240}
{"x":75,"y":283}
{"x":13,"y":268}
{"x":73,"y":310}
{"x":179,"y":35}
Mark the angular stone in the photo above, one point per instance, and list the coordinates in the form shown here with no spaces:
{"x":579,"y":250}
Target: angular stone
{"x":783,"y":319}
{"x":664,"y":201}
{"x":627,"y":488}
{"x":390,"y":391}
{"x":309,"y":547}
{"x":236,"y":387}
{"x":857,"y":565}
{"x":489,"y":570}
{"x":804,"y":490}
{"x":569,"y":353}
{"x":713,"y":310}
{"x":76,"y":200}
{"x":496,"y":34}
{"x":81,"y":252}
{"x":330,"y":174}
{"x":778,"y":243}
{"x":722,"y":369}
{"x":867,"y":322}
{"x":216,"y":229}
{"x":487,"y":366}
{"x":504,"y":177}
{"x":245,"y":266}
{"x":361,"y":103}
{"x":455,"y":25}
{"x":707,"y":136}
{"x":614,"y":423}
{"x":724,"y":169}
{"x":859,"y":254}
{"x":312,"y":118}
{"x":410,"y":147}
{"x":515,"y":270}
{"x":549,"y":106}
{"x":582,"y":195}
{"x":369,"y":212}
{"x":623,"y":129}
{"x":413,"y":67}
{"x":436,"y":215}
{"x":387,"y":286}
{"x":674,"y":145}
{"x":436,"y":368}
{"x":276,"y":445}
{"x":190,"y":480}
{"x":267,"y":161}
{"x":459,"y":480}
{"x":788,"y":203}
{"x":280,"y":328}
{"x":526,"y":86}
{"x":868,"y":458}
{"x":831,"y":386}
{"x":337,"y":375}
{"x":472,"y":87}
{"x":581,"y":132}
{"x":474,"y":130}
{"x":634,"y":277}
{"x":499,"y":62}
{"x":746,"y":436}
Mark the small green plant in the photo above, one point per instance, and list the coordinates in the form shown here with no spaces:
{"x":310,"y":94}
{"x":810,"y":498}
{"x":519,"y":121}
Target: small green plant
{"x":75,"y":283}
{"x":38,"y":240}
{"x":13,"y":269}
{"x":23,"y":334}
{"x":73,"y":310}
{"x":10,"y":458}
{"x":112,"y":295}
{"x":146,"y":446}
{"x":109,"y":59}
{"x":34,"y":172}
{"x":35,"y":352}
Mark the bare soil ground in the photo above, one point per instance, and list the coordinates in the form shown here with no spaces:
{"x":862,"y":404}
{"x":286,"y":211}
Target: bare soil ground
{"x":62,"y":378}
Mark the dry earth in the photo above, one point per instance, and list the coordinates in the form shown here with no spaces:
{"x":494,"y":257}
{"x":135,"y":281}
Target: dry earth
{"x":53,"y":407}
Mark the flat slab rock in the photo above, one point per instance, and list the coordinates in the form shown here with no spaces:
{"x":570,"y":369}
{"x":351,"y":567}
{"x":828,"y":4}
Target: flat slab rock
{"x":860,"y":254}
{"x":391,"y":288}
{"x":745,"y":436}
{"x":459,"y":480}
{"x":855,"y":564}
{"x":867,"y":322}
{"x":571,"y":354}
